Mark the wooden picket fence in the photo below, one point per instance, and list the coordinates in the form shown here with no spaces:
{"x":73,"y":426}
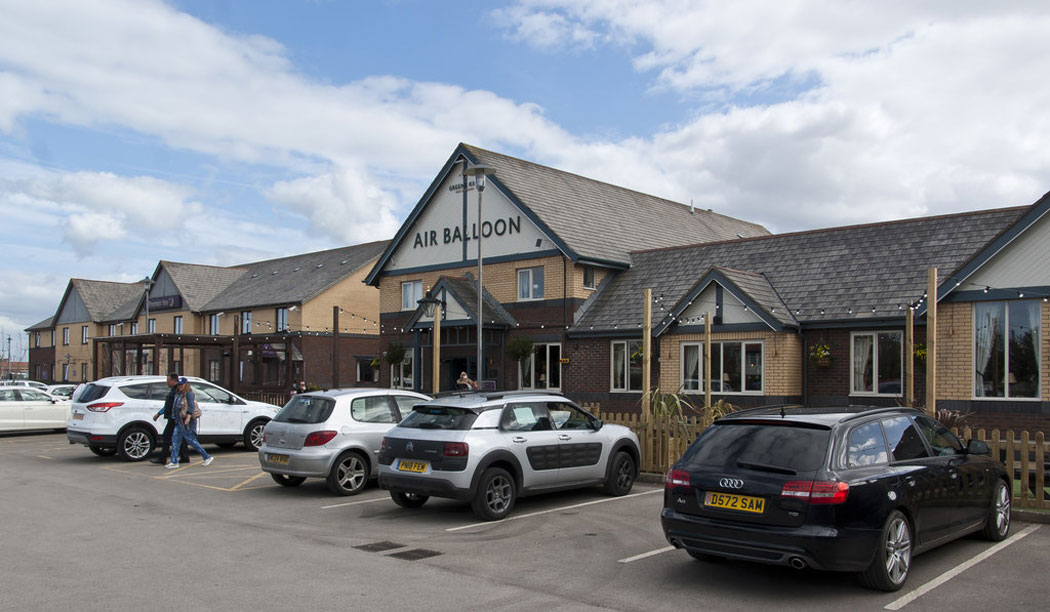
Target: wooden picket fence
{"x":277,"y":399}
{"x":1026,"y":456}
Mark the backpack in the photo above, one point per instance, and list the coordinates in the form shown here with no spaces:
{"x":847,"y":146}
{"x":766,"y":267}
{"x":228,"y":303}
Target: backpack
{"x":184,"y":410}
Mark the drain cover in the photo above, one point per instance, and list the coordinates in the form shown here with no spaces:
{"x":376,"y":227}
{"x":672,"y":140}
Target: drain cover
{"x":379,"y":546}
{"x":415,"y":554}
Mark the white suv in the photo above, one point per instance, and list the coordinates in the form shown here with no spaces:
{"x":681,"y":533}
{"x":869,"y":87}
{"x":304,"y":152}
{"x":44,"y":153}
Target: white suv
{"x":490,"y":448}
{"x":115,"y":416}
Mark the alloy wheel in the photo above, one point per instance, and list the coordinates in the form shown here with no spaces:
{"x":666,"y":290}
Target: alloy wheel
{"x":498,"y":494}
{"x":351,"y":473}
{"x":1002,"y":509}
{"x":898,"y":550}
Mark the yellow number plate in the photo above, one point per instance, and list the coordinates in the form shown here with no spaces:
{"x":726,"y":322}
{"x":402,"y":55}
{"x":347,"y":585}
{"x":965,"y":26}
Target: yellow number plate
{"x":282,"y":459}
{"x":412,"y":466}
{"x":728,"y":501}
{"x":78,"y":416}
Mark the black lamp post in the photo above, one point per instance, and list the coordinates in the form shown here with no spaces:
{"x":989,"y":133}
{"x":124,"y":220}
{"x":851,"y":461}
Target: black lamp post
{"x":432,"y":308}
{"x":479,"y":172}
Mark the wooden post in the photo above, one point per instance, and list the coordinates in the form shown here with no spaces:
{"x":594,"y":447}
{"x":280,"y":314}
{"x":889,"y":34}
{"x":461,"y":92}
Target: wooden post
{"x":708,"y":320}
{"x":909,"y":358}
{"x":647,"y":332}
{"x":437,"y":350}
{"x":335,"y":347}
{"x":931,"y":342}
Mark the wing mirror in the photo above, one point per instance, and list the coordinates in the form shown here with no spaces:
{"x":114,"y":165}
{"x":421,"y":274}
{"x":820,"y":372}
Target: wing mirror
{"x":597,"y":424}
{"x":978,"y":447}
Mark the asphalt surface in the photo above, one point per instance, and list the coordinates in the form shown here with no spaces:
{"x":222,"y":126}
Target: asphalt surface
{"x":89,"y":533}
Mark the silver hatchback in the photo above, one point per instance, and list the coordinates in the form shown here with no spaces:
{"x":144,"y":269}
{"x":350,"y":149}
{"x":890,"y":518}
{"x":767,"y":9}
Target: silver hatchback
{"x":333,"y":435}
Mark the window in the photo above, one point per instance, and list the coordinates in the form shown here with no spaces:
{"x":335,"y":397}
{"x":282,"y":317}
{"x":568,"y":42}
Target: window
{"x":941,"y":440}
{"x":214,"y":370}
{"x":530,"y":283}
{"x":365,"y":371}
{"x":178,"y":325}
{"x":567,"y":416}
{"x":525,"y":417}
{"x":65,"y":336}
{"x":213,"y":325}
{"x":36,"y":339}
{"x":83,"y":371}
{"x":282,"y":319}
{"x":627,"y":365}
{"x":1006,"y":349}
{"x":134,"y":327}
{"x":736,"y":367}
{"x":411,"y":293}
{"x":372,"y":410}
{"x":151,"y":326}
{"x":542,"y":370}
{"x":52,"y":337}
{"x":84,"y":334}
{"x":867,"y":446}
{"x":878,"y":363}
{"x":904,"y":439}
{"x":112,"y":329}
{"x":65,"y":372}
{"x":246,"y":322}
{"x":401,"y":374}
{"x":588,"y":277}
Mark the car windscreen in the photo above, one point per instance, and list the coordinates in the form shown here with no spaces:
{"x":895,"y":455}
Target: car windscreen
{"x":92,"y":392}
{"x":306,"y":409}
{"x":767,"y":447}
{"x":439,"y":417}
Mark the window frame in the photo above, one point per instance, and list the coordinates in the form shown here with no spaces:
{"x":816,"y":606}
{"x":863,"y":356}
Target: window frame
{"x":594,"y":277}
{"x":1006,"y":355}
{"x":65,"y":336}
{"x":398,"y":381}
{"x":281,"y":319}
{"x":531,"y":272}
{"x":719,"y":376}
{"x":874,"y":335}
{"x":177,"y":322}
{"x":416,"y":289}
{"x":626,"y":366}
{"x":246,"y":322}
{"x":151,"y":326}
{"x":552,"y":364}
{"x":213,"y":325}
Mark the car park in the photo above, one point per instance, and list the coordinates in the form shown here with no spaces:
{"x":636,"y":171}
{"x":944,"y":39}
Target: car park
{"x":61,"y":392}
{"x":844,"y":489}
{"x":333,"y":435}
{"x":115,"y":416}
{"x":26,"y":408}
{"x":491,"y":448}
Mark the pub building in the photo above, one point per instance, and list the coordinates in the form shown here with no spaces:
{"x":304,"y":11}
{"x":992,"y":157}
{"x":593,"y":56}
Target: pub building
{"x":816,"y":317}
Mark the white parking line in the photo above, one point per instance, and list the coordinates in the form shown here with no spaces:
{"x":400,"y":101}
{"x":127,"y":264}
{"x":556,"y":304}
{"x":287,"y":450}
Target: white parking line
{"x":531,"y":514}
{"x":364,"y":501}
{"x":952,"y":573}
{"x":651,"y":553}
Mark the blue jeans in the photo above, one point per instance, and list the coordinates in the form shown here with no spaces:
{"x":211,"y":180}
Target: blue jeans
{"x":188,"y":433}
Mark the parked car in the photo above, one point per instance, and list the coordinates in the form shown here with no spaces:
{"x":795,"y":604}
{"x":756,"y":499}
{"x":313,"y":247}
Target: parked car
{"x":333,"y":435}
{"x":25,"y":408}
{"x":115,"y":416}
{"x":62,"y":392}
{"x":845,"y":489}
{"x":490,"y":448}
{"x":18,"y":382}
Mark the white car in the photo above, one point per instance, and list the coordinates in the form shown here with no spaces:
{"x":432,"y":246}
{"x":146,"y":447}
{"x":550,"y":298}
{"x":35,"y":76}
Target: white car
{"x":23,"y":383}
{"x":23,"y":408}
{"x":115,"y":416}
{"x":61,"y":392}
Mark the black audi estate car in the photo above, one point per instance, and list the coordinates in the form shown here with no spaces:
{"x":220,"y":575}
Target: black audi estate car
{"x":843,"y":489}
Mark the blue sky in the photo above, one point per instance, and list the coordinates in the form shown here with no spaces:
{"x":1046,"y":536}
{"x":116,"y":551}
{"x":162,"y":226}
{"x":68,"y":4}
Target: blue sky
{"x":223,"y":132}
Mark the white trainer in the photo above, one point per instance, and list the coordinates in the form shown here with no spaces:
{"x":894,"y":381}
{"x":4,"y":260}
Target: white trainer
{"x":207,"y":461}
{"x":172,"y":466}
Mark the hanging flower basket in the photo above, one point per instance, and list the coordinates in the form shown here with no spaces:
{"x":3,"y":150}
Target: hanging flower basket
{"x":821,"y":355}
{"x":823,"y":362}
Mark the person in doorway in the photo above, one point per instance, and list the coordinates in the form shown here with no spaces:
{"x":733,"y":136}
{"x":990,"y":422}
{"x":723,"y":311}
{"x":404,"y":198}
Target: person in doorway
{"x":169,"y":424}
{"x":465,"y":384}
{"x":187,"y":412}
{"x":302,"y":386}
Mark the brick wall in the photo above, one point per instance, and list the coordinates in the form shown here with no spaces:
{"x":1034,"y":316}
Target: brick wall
{"x":352,"y":295}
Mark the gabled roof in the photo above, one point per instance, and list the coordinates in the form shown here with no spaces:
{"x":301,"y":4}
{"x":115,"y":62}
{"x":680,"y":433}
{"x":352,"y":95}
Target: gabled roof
{"x":100,"y":298}
{"x":47,"y":323}
{"x":464,"y":290}
{"x":823,"y":276}
{"x":753,"y":290}
{"x":295,"y":279}
{"x":588,"y":220}
{"x":199,"y":284}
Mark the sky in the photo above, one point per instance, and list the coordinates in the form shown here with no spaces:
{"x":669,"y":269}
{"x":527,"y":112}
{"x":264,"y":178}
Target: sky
{"x":226,"y":131}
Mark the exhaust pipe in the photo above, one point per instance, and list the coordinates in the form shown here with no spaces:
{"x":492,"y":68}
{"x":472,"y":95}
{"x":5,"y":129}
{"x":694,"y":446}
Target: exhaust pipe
{"x":676,"y":543}
{"x":797,"y":563}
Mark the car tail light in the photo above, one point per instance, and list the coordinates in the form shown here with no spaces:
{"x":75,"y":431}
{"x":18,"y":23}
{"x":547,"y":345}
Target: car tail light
{"x":456,"y":449}
{"x":816,"y":491}
{"x":104,"y":406}
{"x":319,"y":438}
{"x":676,"y":478}
{"x":383,"y":445}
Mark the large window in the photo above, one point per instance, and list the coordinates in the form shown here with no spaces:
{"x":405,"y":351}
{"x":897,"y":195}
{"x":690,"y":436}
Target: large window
{"x":401,"y":374}
{"x":877,"y":363}
{"x":530,"y":283}
{"x":542,"y":370}
{"x":411,"y":293}
{"x":736,"y":367}
{"x":626,"y":365}
{"x":1006,"y":349}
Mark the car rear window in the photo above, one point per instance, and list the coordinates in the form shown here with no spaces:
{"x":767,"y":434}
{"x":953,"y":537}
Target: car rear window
{"x":439,"y":417}
{"x":92,"y":392}
{"x":759,"y":446}
{"x":306,"y":409}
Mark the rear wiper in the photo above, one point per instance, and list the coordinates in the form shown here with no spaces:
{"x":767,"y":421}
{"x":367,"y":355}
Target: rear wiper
{"x":296,"y":420}
{"x":762,"y":467}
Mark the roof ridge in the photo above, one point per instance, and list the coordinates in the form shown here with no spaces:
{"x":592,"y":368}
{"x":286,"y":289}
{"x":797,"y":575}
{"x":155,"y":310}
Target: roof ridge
{"x":332,"y":250}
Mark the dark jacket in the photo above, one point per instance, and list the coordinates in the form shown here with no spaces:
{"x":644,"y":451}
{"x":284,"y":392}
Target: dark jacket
{"x":169,"y":401}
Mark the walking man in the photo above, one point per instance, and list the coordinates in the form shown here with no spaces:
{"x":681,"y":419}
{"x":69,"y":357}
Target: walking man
{"x":169,"y":425}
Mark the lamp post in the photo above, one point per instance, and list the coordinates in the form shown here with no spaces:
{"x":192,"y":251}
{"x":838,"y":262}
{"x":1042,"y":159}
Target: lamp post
{"x":147,"y":282}
{"x":479,"y":172}
{"x":432,"y":308}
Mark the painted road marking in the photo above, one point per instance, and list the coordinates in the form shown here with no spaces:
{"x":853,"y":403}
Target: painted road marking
{"x":561,"y":509}
{"x":651,"y":553}
{"x":952,"y":573}
{"x":363,"y":501}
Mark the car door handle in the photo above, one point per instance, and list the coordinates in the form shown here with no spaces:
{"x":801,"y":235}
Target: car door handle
{"x":565,"y":437}
{"x":518,"y":439}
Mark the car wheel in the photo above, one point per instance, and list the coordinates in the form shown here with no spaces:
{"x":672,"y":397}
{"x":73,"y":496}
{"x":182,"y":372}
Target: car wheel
{"x":889,"y":568}
{"x":103,"y":452}
{"x":288,"y":481}
{"x":706,"y":558}
{"x":349,"y":475}
{"x":997,"y":525}
{"x":135,"y":444}
{"x":495,"y":495}
{"x":408,"y":500}
{"x":253,"y":435}
{"x":621,"y":476}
